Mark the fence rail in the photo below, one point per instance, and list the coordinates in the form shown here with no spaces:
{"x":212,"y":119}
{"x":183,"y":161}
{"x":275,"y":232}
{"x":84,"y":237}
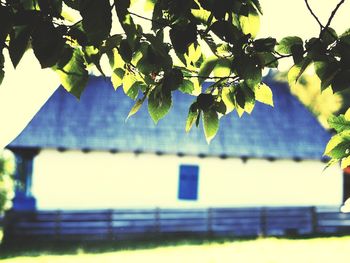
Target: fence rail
{"x":126,"y":223}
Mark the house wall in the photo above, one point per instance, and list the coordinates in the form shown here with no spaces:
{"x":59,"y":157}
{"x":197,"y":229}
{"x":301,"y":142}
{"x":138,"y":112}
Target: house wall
{"x":94,"y":180}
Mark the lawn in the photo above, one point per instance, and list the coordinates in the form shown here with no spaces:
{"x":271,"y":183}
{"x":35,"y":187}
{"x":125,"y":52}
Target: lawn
{"x":262,"y":250}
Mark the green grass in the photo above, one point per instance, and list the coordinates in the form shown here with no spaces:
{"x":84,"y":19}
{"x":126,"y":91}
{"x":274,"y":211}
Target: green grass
{"x":262,"y":250}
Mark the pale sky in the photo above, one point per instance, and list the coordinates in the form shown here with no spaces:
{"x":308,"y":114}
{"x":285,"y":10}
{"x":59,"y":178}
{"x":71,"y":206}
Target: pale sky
{"x":25,"y":89}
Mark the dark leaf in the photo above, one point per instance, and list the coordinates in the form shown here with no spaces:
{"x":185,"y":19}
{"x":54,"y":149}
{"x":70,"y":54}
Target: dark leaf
{"x":341,"y":81}
{"x":326,"y":71}
{"x":183,"y":36}
{"x":125,"y":50}
{"x":205,"y":101}
{"x":47,"y":43}
{"x":172,"y":79}
{"x":193,"y":114}
{"x":2,"y":72}
{"x":5,"y":23}
{"x":19,"y":38}
{"x":51,"y":7}
{"x":159,"y":103}
{"x":97,"y":19}
{"x":226,"y":31}
{"x":72,"y":3}
{"x":298,"y":53}
{"x":265,"y":44}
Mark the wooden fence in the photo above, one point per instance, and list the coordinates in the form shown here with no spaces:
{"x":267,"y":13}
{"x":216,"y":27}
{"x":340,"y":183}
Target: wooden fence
{"x":124,"y":224}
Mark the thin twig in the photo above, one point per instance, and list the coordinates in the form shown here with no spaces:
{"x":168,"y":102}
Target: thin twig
{"x":313,"y":14}
{"x":149,"y":19}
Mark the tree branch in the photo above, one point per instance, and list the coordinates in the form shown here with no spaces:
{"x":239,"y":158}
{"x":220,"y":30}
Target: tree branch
{"x":330,"y":20}
{"x":313,"y":14}
{"x":333,"y":13}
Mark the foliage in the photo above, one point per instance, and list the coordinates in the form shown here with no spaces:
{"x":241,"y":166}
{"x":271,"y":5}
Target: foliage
{"x":189,"y":42}
{"x":6,"y":180}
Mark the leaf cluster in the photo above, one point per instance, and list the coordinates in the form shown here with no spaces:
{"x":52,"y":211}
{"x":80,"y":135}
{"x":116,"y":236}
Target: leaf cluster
{"x":190,"y":41}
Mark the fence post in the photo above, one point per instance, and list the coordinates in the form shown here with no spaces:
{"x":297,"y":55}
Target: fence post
{"x":263,"y":223}
{"x":110,"y":234}
{"x":58,"y":225}
{"x":209,"y":222}
{"x":314,"y":219}
{"x":157,"y":221}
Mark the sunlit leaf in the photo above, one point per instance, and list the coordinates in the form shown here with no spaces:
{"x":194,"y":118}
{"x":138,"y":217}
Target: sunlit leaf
{"x":264,"y":94}
{"x":285,"y":45}
{"x":227,"y":97}
{"x":250,"y":24}
{"x":222,"y":68}
{"x":117,"y":77}
{"x":297,"y":70}
{"x":74,"y":75}
{"x":210,"y":124}
{"x":206,"y":68}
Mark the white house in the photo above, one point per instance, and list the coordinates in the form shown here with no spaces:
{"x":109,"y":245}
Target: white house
{"x":83,"y":155}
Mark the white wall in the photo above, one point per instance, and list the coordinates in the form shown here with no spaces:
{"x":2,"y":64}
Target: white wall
{"x":76,"y":180}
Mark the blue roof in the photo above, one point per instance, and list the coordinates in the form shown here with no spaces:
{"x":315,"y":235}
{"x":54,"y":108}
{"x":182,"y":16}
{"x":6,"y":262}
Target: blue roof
{"x":97,"y":122}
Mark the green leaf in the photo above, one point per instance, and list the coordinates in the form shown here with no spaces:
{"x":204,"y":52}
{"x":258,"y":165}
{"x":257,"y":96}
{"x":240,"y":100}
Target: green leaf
{"x":250,"y":24}
{"x":249,"y":97}
{"x":136,"y":107}
{"x":210,"y":124}
{"x":336,"y":140}
{"x":47,"y":43}
{"x":264,"y":94}
{"x":97,"y":19}
{"x":297,"y":70}
{"x":159,"y":103}
{"x":206,"y":68}
{"x":247,"y":67}
{"x":131,"y":85}
{"x":286,"y":44}
{"x":339,"y":123}
{"x":117,"y":77}
{"x":187,"y":86}
{"x":193,"y":115}
{"x":74,"y":75}
{"x":228,"y":98}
